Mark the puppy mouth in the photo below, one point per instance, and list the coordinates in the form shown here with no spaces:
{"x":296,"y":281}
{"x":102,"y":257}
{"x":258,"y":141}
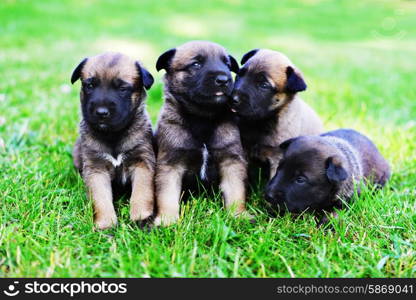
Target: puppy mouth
{"x":102,"y":125}
{"x":276,"y":209}
{"x":233,"y":108}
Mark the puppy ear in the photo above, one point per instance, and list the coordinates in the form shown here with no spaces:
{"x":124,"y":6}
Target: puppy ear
{"x":234,"y":64}
{"x":248,"y":55}
{"x":294,"y":82}
{"x":164,"y":60}
{"x":334,"y":169}
{"x":76,"y":74}
{"x":286,"y":143}
{"x":146,"y":77}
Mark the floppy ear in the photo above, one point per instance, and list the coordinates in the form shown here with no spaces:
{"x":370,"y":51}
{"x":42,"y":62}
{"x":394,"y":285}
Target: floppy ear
{"x":76,"y":74}
{"x":234,"y":64}
{"x":248,"y":55}
{"x":294,"y":82}
{"x":147,"y":78}
{"x":164,"y":60}
{"x":286,"y":143}
{"x":334,"y":169}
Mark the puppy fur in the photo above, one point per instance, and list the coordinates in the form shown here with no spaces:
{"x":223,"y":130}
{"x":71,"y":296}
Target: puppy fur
{"x":269,"y":110}
{"x":197,"y":137}
{"x":115,"y":147}
{"x":319,"y":172}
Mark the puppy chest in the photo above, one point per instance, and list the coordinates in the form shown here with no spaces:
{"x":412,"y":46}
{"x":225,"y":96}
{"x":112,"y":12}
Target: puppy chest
{"x":118,"y":167}
{"x":200,"y":163}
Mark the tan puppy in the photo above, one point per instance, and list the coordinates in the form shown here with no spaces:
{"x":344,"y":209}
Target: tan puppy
{"x":197,"y":138}
{"x":265,"y":99}
{"x":115,"y":143}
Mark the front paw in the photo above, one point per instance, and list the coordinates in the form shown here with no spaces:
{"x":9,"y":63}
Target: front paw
{"x":245,"y":215}
{"x":140,"y":215}
{"x":326,"y":219}
{"x":105,"y":222}
{"x":165,"y":220}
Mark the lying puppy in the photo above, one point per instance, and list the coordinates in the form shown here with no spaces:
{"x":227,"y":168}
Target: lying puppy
{"x":196,"y":135}
{"x":115,"y":143}
{"x":319,"y":172}
{"x":265,"y":99}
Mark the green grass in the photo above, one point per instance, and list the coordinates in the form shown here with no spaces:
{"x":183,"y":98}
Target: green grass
{"x":359,"y":60}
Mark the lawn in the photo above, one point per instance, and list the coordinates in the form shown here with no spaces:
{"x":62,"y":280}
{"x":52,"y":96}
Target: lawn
{"x":359,"y":60}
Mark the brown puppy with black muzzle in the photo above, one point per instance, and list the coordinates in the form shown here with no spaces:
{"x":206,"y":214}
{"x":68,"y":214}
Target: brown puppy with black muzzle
{"x":320,"y":172}
{"x":196,"y":135}
{"x":115,"y":144}
{"x":269,"y":110}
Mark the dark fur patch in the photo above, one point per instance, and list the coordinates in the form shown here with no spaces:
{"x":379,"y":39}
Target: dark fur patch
{"x":114,"y":60}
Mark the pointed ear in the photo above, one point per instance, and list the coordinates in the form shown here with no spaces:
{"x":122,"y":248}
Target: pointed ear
{"x":76,"y":74}
{"x":163,"y":61}
{"x":146,"y":77}
{"x":287,"y":143}
{"x":248,"y":55}
{"x":294,"y":82}
{"x":335,"y":170}
{"x":234,"y":64}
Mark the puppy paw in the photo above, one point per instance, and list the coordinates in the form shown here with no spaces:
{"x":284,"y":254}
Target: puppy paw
{"x":140,"y":215}
{"x":325,"y":219}
{"x":105,"y":222}
{"x":246,"y":215}
{"x":164,"y":220}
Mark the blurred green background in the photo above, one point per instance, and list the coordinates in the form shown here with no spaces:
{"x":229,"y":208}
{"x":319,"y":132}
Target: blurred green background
{"x":359,"y":61}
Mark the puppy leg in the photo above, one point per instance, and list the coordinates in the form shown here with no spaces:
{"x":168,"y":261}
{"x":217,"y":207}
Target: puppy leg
{"x":274,"y":164}
{"x":233,"y":176}
{"x":99,"y":190}
{"x":273,"y":169}
{"x":168,"y":190}
{"x":142,"y":194}
{"x":326,"y":218}
{"x":77,"y":156}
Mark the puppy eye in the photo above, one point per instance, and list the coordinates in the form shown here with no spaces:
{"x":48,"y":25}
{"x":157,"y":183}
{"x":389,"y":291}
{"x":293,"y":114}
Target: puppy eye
{"x":89,"y":85}
{"x":264,"y":85}
{"x":196,"y":65}
{"x":300,"y":180}
{"x":123,"y":88}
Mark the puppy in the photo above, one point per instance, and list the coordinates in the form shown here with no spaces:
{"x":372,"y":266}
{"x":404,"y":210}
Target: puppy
{"x":196,"y":135}
{"x":115,"y":142}
{"x":265,"y":100}
{"x":319,"y":172}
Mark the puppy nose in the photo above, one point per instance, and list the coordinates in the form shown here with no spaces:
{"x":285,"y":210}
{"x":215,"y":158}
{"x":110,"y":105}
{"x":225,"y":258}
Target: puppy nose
{"x":275,"y":196}
{"x":236,"y":99}
{"x":269,"y":196}
{"x":221,"y":80}
{"x":102,"y":112}
{"x":279,"y":195}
